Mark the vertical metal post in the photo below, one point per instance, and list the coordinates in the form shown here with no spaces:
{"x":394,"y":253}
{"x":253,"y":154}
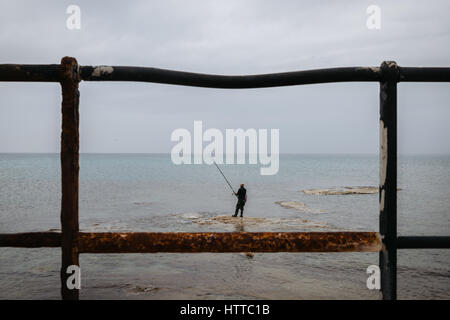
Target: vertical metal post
{"x":69,"y":79}
{"x":388,"y":179}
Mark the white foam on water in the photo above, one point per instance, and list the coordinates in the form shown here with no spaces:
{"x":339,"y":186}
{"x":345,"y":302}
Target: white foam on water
{"x":191,"y":215}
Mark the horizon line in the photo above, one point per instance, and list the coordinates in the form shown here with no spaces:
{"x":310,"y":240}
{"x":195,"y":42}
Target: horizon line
{"x":284,"y":153}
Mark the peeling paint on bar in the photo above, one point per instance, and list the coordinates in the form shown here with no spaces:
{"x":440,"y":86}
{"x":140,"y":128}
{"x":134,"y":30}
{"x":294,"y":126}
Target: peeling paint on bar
{"x":148,"y":242}
{"x":390,"y":75}
{"x":382,"y":196}
{"x":102,"y":71}
{"x":373,"y":69}
{"x":383,"y":152}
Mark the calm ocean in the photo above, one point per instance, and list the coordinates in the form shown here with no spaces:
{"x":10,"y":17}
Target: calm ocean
{"x":146,"y":192}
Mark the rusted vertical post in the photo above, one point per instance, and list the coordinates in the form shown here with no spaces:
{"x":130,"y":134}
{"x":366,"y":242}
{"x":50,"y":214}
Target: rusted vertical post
{"x":388,"y":179}
{"x":69,"y":79}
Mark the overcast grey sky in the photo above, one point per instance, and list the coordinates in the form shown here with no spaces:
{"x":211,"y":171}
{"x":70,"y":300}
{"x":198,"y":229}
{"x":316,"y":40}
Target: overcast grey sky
{"x":226,"y":37}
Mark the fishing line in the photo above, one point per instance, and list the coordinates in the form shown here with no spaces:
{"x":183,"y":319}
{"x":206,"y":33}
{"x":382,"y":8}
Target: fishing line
{"x":224,"y":177}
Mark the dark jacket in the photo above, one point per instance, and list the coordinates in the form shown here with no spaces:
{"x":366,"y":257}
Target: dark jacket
{"x":241,"y":194}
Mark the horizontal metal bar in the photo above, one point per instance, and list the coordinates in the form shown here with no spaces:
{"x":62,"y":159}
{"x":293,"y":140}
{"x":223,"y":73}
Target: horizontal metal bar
{"x":31,"y":239}
{"x":412,"y":74}
{"x":29,"y":72}
{"x":228,"y":242}
{"x":151,"y":242}
{"x":49,"y":73}
{"x":423,"y":242}
{"x":120,"y":73}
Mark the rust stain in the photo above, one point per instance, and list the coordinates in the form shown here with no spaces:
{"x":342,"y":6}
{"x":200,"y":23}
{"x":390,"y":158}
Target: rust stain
{"x":149,"y":242}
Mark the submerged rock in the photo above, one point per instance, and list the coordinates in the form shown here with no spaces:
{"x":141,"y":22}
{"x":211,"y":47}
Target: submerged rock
{"x":242,"y":224}
{"x":297,"y":205}
{"x":142,"y":203}
{"x":342,"y":190}
{"x":141,"y":289}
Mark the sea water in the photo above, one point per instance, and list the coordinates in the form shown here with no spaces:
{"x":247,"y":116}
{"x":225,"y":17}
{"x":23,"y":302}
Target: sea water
{"x":147,"y":192}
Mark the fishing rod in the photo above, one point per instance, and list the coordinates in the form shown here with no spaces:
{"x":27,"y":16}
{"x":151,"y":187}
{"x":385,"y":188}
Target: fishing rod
{"x":224,"y":177}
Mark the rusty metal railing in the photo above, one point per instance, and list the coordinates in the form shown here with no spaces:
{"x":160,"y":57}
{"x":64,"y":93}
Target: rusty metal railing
{"x":73,"y":242}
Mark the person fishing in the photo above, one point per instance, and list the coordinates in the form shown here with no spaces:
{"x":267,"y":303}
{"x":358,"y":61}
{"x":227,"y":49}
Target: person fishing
{"x":242,"y":198}
{"x":241,"y":194}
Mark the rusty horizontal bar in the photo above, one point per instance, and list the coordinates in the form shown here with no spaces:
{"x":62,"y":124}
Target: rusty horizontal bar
{"x":149,"y":242}
{"x":29,"y":72}
{"x":31,"y":239}
{"x":437,"y":242}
